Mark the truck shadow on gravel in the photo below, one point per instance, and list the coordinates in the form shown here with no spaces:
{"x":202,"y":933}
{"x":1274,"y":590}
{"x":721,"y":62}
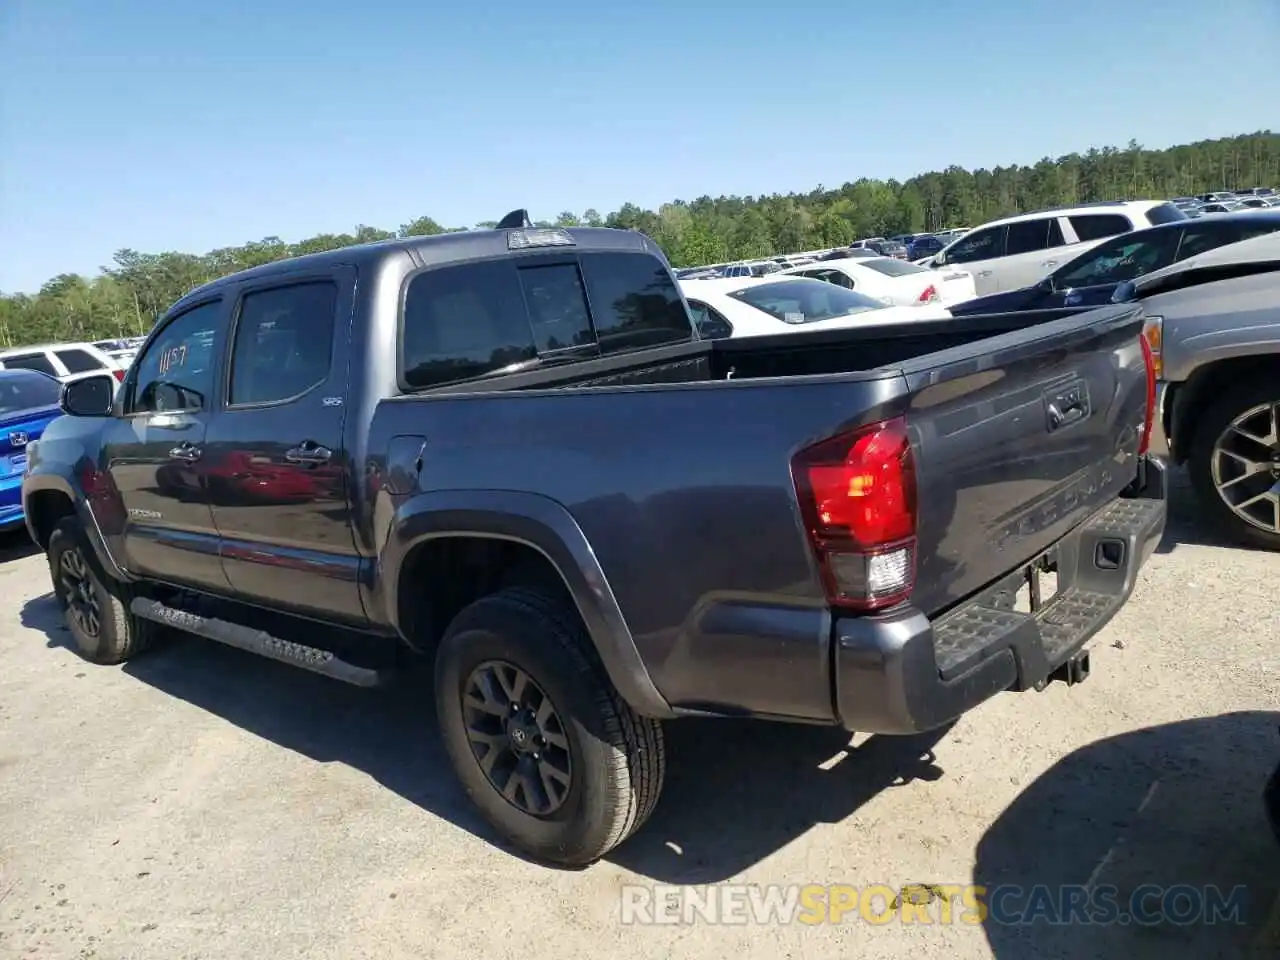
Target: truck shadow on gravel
{"x":1178,"y":805}
{"x":736,"y":791}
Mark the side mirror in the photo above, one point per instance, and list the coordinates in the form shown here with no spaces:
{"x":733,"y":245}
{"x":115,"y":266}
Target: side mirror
{"x":89,"y":397}
{"x":939,"y":260}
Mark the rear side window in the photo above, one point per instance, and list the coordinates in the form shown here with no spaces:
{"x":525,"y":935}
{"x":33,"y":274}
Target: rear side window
{"x":1099,"y":226}
{"x":634,"y":302}
{"x":79,"y":361}
{"x":31,"y":361}
{"x":1166,"y":213}
{"x":1030,"y":236}
{"x":711,"y":325}
{"x":284,"y":338}
{"x":466,"y":321}
{"x":463,"y":322}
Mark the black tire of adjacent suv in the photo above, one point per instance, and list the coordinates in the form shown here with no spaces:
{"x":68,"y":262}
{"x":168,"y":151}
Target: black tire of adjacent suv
{"x":582,"y":771}
{"x":1209,"y":425}
{"x":96,"y":607}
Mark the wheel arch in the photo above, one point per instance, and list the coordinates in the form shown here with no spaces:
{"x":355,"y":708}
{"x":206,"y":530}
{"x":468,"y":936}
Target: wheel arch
{"x":1190,"y":397}
{"x":485,"y":540}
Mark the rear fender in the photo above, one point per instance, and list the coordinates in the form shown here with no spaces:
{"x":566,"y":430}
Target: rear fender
{"x":546,"y":526}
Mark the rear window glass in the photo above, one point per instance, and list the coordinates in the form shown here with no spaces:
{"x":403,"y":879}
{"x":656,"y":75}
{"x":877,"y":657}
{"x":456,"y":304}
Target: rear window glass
{"x":31,"y":361}
{"x":805,"y":301}
{"x":25,"y":390}
{"x":1165,"y":213}
{"x":893,"y":268}
{"x":1099,"y":226}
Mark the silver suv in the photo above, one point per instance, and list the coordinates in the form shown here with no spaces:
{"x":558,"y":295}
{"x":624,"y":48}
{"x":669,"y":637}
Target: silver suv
{"x":1019,"y":251}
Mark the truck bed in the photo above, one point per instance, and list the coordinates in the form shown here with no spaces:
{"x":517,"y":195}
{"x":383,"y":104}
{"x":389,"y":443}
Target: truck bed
{"x":678,"y":470}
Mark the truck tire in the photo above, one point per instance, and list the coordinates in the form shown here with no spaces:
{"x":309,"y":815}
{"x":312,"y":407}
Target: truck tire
{"x":1210,"y":462}
{"x":96,"y":607}
{"x":540,"y":739}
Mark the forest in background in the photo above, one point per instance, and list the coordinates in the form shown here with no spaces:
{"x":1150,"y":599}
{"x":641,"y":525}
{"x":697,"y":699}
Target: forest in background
{"x":127,"y":296}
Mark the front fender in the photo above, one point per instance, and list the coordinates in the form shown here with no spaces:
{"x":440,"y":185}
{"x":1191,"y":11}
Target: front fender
{"x":546,"y":526}
{"x":44,"y":480}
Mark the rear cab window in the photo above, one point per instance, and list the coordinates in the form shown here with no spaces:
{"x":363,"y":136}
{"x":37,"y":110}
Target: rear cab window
{"x":470,"y":320}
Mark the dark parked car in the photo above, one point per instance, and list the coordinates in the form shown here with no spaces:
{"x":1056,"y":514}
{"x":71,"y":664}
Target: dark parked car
{"x":1091,"y":278}
{"x":922,"y":247}
{"x":509,"y":450}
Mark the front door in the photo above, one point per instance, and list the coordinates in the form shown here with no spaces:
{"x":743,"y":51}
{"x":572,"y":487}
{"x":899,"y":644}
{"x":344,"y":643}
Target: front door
{"x":154,"y":452}
{"x":277,"y":467}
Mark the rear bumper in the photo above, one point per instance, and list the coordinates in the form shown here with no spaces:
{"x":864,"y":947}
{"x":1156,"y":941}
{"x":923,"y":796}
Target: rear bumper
{"x":902,"y":673}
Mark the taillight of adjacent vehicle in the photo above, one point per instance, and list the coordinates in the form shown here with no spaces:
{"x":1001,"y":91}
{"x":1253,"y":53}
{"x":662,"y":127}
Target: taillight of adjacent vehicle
{"x":928,"y":295}
{"x":857,"y":495}
{"x":1152,"y":341}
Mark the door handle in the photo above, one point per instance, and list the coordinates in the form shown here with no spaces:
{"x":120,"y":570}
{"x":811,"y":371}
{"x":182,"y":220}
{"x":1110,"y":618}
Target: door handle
{"x":186,"y":452}
{"x":984,"y":273}
{"x":308,"y":452}
{"x":1049,"y":263}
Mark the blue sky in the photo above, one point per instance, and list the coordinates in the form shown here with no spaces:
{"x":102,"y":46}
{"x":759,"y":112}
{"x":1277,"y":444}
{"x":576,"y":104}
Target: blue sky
{"x":170,"y":125}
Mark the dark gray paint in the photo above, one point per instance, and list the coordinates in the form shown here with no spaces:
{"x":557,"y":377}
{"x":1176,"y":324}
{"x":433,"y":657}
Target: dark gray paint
{"x":667,"y":507}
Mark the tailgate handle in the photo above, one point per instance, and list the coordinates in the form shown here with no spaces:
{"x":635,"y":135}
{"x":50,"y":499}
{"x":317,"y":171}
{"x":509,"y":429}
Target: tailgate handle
{"x":1067,"y":407}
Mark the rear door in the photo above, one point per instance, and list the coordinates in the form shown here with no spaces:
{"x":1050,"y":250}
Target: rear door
{"x":274,"y":460}
{"x":1021,"y":437}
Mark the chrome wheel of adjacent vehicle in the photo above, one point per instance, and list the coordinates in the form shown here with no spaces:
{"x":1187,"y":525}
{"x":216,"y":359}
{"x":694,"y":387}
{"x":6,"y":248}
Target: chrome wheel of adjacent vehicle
{"x":82,"y":599}
{"x":517,"y":737}
{"x":1245,"y":466}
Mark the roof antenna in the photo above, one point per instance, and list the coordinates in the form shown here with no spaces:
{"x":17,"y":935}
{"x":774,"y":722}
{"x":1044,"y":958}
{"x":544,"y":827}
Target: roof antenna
{"x":514,"y":220}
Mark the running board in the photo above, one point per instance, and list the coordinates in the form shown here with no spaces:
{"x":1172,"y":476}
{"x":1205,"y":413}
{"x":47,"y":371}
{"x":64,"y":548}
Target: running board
{"x":256,"y":641}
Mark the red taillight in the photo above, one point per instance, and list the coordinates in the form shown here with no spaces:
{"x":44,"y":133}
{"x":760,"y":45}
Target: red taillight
{"x":929,"y":295}
{"x":857,"y":494}
{"x":118,"y":374}
{"x":1149,"y":360}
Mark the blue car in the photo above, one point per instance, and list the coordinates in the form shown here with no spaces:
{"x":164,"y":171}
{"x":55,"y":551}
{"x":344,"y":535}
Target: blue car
{"x":28,"y":403}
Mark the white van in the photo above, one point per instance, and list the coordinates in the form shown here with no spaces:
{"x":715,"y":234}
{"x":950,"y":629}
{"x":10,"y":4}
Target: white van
{"x":1019,"y":251}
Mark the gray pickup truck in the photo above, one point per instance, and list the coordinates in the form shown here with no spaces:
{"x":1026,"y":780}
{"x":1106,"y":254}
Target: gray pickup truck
{"x":510,"y":450}
{"x":1214,"y":325}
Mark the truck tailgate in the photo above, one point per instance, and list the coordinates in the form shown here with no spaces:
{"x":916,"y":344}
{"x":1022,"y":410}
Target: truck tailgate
{"x":1019,"y":441}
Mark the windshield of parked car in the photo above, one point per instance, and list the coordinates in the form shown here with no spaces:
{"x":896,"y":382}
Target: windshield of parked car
{"x":26,"y":391}
{"x":805,"y":301}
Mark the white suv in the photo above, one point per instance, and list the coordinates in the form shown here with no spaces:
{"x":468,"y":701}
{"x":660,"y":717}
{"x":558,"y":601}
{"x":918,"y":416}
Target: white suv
{"x":1019,"y":251}
{"x":62,"y":361}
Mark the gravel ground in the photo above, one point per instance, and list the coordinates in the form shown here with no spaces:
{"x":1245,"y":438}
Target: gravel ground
{"x":205,"y":803}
